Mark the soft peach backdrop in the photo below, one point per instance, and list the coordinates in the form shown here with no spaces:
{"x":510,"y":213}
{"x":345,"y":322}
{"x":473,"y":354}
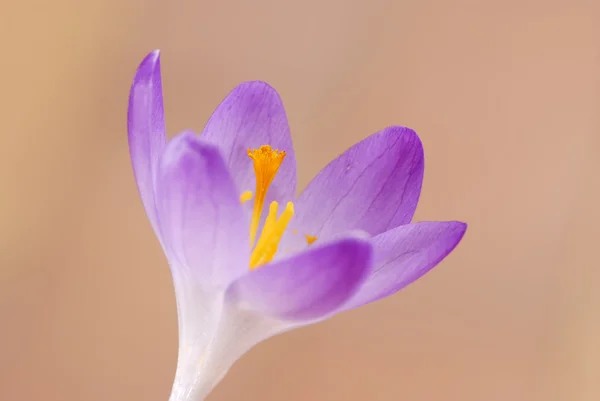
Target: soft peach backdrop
{"x":506,"y":98}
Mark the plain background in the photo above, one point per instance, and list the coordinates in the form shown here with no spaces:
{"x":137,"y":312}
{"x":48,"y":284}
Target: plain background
{"x":505,"y":96}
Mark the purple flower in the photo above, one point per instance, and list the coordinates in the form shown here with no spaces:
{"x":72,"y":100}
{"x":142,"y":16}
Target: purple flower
{"x":250,"y":259}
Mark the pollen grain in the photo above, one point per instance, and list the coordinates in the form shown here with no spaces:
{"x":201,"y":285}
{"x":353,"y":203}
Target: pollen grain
{"x":310,"y":238}
{"x":246,"y":196}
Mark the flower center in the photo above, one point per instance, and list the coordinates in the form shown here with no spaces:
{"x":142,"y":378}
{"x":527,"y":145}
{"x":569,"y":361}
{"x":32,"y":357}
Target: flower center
{"x":266,"y":164}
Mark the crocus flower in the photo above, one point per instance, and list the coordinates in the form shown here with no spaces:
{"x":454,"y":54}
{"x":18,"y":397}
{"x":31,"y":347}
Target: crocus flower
{"x":249,"y":259}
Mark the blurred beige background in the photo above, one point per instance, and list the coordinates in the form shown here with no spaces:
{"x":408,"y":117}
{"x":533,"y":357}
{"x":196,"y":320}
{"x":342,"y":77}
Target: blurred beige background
{"x":506,"y":98}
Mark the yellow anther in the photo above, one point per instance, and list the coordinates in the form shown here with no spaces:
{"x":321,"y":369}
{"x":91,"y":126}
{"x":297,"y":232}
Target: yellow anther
{"x":266,"y":164}
{"x":246,"y":196}
{"x":273,"y":230}
{"x":310,"y":238}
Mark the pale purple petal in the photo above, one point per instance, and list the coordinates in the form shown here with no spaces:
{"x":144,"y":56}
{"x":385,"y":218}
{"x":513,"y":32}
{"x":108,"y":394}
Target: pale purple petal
{"x":309,"y":285}
{"x":404,"y":254}
{"x":374,"y":186}
{"x":146,"y":129}
{"x":252,"y":115}
{"x":202,"y":221}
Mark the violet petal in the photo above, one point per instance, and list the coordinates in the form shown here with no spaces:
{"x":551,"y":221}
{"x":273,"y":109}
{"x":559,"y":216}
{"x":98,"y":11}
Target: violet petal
{"x":374,"y":186}
{"x":204,"y":227}
{"x":146,"y":129}
{"x":253,"y":115}
{"x":404,"y":254}
{"x":309,"y":285}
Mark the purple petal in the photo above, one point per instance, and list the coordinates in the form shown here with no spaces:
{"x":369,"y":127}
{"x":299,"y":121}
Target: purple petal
{"x":202,"y":221}
{"x":374,"y":186}
{"x":252,"y":115}
{"x":404,"y":254}
{"x":309,"y":285}
{"x":146,"y":128}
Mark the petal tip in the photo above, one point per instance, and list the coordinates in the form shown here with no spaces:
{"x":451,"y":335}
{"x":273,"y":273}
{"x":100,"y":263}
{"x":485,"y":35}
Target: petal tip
{"x":456,"y":230}
{"x":411,"y":136}
{"x":461,"y":227}
{"x":148,"y":69}
{"x":453,"y":229}
{"x":407,"y":136}
{"x":257,"y":87}
{"x":152,"y":57}
{"x":257,"y":82}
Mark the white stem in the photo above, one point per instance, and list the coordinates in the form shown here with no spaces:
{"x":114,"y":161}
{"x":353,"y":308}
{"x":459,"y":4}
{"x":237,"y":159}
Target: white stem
{"x":203,"y":364}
